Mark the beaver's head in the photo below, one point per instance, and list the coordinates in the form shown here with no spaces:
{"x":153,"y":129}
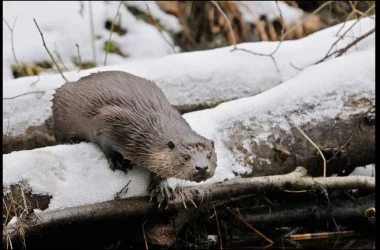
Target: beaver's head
{"x":194,"y":161}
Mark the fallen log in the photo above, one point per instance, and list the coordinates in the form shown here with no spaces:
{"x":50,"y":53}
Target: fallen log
{"x":346,"y":142}
{"x":190,"y":86}
{"x":136,"y":210}
{"x":344,"y":211}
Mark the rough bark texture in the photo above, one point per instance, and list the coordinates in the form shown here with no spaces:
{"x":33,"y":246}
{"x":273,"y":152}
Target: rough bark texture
{"x":345,"y":142}
{"x":34,"y":137}
{"x":132,"y":213}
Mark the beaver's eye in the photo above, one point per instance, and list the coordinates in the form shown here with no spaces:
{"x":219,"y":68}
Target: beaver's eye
{"x":186,"y":157}
{"x":171,"y":144}
{"x":209,"y":156}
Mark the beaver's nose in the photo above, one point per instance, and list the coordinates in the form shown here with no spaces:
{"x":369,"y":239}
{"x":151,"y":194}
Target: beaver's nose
{"x":201,"y":169}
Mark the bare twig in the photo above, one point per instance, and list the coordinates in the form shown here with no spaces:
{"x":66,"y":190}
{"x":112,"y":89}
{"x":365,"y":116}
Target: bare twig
{"x":24,"y":199}
{"x":79,"y":58}
{"x":92,"y":33}
{"x":314,"y":145}
{"x":248,"y":51}
{"x":251,"y":227}
{"x":328,"y":54}
{"x":159,"y":30}
{"x":36,"y":81}
{"x":112,"y":28}
{"x":282,"y":30}
{"x":217,"y":224}
{"x":321,"y":235}
{"x":11,"y":29}
{"x":144,"y":235}
{"x":32,"y":92}
{"x":258,"y":24}
{"x":227,"y":20}
{"x":342,"y":51}
{"x":51,"y":56}
{"x":56,"y":51}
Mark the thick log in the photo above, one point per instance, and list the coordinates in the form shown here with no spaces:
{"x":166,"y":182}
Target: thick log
{"x":347,"y":141}
{"x":137,"y":210}
{"x":345,"y":212}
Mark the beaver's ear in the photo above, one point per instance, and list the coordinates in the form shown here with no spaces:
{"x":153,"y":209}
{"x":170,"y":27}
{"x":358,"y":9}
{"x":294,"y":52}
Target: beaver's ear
{"x":212,"y":143}
{"x":171,"y":144}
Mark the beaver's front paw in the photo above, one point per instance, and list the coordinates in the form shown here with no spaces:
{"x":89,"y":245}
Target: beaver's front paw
{"x":164,"y":195}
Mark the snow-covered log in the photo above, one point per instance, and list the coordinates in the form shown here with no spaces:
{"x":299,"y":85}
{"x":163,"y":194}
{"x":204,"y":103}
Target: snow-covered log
{"x":253,"y":136}
{"x":191,"y":81}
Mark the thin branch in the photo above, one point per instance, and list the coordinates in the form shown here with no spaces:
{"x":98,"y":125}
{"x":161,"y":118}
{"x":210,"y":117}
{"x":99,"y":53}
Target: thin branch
{"x":321,"y":235}
{"x":36,"y":81}
{"x":314,"y":145}
{"x":144,"y":235}
{"x":56,"y":51}
{"x":308,"y":16}
{"x":32,"y":92}
{"x":79,"y":57}
{"x":112,"y":28}
{"x":12,"y":41}
{"x":282,"y":30}
{"x":328,"y":54}
{"x":159,"y":30}
{"x":51,"y":56}
{"x":217,"y":224}
{"x":92,"y":33}
{"x":228,"y":21}
{"x":258,"y":24}
{"x":251,"y":227}
{"x":353,"y":43}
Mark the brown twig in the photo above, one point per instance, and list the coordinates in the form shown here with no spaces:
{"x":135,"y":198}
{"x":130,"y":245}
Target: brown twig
{"x":32,"y":92}
{"x":328,"y":54}
{"x":159,"y":30}
{"x":258,"y":24}
{"x":342,"y":51}
{"x":112,"y":28}
{"x":228,"y":22}
{"x":51,"y":56}
{"x":282,"y":30}
{"x":79,"y":57}
{"x":144,"y":235}
{"x":249,"y":51}
{"x":314,"y":145}
{"x":251,"y":227}
{"x":308,"y":236}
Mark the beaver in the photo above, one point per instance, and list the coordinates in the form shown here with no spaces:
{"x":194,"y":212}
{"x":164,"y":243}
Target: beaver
{"x":133,"y":123}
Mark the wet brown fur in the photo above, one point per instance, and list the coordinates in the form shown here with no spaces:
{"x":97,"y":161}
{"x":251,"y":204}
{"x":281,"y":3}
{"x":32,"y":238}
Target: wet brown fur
{"x":130,"y":115}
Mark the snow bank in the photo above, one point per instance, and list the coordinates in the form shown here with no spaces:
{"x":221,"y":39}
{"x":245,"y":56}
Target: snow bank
{"x":73,"y":174}
{"x":194,"y":77}
{"x":67,"y":23}
{"x":79,"y":174}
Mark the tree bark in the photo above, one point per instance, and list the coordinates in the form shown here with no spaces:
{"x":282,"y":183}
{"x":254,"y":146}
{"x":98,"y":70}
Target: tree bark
{"x":136,"y":210}
{"x":345,"y":142}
